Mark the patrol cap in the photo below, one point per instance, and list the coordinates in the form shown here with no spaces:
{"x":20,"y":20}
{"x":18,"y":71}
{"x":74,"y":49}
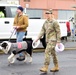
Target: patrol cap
{"x":49,"y":11}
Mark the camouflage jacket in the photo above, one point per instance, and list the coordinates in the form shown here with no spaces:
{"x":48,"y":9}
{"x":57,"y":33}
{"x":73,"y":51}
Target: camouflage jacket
{"x":52,"y":31}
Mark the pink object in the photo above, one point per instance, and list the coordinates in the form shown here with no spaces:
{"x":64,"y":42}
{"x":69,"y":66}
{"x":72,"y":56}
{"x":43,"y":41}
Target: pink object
{"x":59,"y":48}
{"x":19,"y":45}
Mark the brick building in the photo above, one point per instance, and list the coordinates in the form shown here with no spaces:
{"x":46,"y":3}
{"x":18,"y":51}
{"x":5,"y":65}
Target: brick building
{"x":36,"y":8}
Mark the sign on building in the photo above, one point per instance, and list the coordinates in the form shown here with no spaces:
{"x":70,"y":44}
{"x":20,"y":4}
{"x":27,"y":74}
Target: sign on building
{"x":13,"y":2}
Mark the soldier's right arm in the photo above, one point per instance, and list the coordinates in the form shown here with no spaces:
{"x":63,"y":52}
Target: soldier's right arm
{"x":41,"y":32}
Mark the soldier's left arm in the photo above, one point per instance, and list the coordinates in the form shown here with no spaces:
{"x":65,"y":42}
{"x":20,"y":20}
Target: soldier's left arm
{"x":57,"y":30}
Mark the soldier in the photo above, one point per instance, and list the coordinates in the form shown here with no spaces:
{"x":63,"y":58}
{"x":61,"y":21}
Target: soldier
{"x":51,"y":30}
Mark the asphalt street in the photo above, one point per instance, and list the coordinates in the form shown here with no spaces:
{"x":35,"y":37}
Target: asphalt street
{"x":67,"y":64}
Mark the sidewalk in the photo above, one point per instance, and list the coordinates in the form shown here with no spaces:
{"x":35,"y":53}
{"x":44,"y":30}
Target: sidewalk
{"x":70,"y":45}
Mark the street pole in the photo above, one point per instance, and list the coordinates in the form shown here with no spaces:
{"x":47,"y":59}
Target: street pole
{"x":74,"y":24}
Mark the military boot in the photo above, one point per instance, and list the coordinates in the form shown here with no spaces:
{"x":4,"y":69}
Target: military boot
{"x":55,"y":69}
{"x":44,"y":68}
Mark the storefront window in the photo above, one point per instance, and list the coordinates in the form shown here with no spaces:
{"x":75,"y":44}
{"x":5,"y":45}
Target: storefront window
{"x":13,"y":11}
{"x":27,"y":0}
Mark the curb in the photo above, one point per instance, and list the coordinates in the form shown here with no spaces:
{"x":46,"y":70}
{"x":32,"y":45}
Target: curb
{"x":70,"y":48}
{"x":42,"y":50}
{"x":1,"y":52}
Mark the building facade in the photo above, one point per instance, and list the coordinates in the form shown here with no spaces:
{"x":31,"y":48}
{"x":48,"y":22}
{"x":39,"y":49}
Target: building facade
{"x":62,"y":8}
{"x":36,"y":8}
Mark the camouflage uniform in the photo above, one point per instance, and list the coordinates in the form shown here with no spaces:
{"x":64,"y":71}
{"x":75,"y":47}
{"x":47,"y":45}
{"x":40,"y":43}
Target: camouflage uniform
{"x":53,"y":35}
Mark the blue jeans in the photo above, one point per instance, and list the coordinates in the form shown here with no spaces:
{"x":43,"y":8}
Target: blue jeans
{"x":19,"y":36}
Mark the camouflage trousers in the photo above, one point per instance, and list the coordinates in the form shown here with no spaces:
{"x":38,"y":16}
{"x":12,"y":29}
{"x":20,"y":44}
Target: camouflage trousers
{"x":50,"y":52}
